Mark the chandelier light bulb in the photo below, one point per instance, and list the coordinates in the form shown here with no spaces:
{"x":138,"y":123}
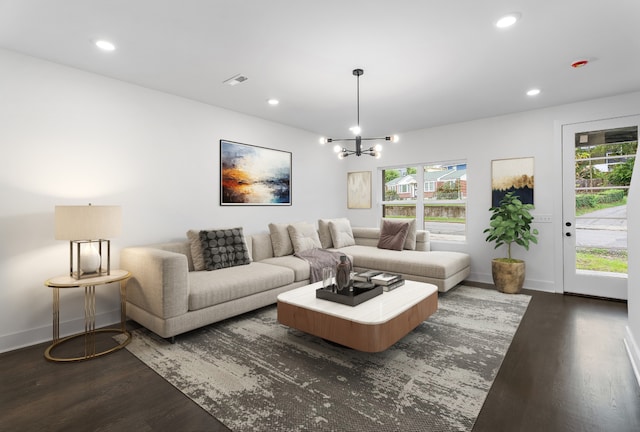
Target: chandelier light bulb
{"x":356,"y":130}
{"x":337,"y":148}
{"x":323,"y":140}
{"x":378,"y":148}
{"x":340,"y":155}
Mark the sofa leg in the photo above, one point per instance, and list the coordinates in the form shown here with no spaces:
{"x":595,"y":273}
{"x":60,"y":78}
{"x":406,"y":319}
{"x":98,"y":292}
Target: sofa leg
{"x":172,"y":339}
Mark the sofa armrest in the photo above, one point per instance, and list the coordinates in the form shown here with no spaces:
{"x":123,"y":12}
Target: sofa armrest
{"x":159,"y":282}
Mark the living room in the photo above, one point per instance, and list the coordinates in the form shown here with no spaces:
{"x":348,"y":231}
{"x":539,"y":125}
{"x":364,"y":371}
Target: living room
{"x":70,"y":137}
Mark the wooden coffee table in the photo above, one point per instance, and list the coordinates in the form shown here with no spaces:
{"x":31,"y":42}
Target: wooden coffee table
{"x":372,"y":326}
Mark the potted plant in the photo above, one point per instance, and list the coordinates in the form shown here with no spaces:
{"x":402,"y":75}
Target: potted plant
{"x":510,"y":223}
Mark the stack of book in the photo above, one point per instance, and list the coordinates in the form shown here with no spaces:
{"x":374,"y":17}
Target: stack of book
{"x":388,"y":281}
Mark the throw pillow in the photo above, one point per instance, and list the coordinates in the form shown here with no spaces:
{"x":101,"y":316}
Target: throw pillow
{"x":196,"y":249}
{"x":303,"y":237}
{"x":280,"y":239}
{"x":325,"y":234}
{"x":393,"y":235}
{"x":341,"y":234}
{"x":224,"y":248}
{"x":410,"y":242}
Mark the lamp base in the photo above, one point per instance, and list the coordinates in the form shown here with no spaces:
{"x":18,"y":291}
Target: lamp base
{"x":89,"y":258}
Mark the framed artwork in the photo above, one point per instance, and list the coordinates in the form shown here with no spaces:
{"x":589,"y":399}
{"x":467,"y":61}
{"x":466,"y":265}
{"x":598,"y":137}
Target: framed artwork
{"x":251,"y":175}
{"x":359,"y":190}
{"x":512,"y":175}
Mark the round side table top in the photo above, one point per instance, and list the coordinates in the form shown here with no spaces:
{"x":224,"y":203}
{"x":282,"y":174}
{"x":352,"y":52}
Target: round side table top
{"x":70,"y":282}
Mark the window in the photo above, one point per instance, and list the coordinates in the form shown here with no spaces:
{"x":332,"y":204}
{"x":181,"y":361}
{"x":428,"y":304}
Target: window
{"x":434,"y":193}
{"x":429,"y":186}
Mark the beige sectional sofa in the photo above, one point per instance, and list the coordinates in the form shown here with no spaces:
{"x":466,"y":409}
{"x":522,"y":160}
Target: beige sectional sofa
{"x":168,"y":296}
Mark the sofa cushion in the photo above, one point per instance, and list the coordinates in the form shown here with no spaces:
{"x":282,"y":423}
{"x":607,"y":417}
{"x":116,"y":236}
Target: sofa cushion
{"x":224,"y":248}
{"x":341,"y":234}
{"x":434,"y":264}
{"x":235,"y":282}
{"x":280,"y":239}
{"x":410,"y":241}
{"x":303,"y":236}
{"x":393,"y":235}
{"x":300,"y":267}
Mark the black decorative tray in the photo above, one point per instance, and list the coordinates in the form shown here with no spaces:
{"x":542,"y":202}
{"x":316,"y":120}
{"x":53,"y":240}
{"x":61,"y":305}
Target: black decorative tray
{"x":362,"y":291}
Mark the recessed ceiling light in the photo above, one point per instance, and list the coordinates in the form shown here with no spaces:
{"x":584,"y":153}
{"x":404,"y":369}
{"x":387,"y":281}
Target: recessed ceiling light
{"x":105,"y":45}
{"x":533,"y":92}
{"x":508,"y":20}
{"x":273,"y":102}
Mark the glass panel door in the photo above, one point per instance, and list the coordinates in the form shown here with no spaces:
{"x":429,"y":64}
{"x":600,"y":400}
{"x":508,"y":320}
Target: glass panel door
{"x":598,"y":163}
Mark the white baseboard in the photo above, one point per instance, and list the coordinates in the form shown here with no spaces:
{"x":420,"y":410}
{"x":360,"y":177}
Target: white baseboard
{"x":38,"y":335}
{"x":538,"y":285}
{"x":634,"y":352}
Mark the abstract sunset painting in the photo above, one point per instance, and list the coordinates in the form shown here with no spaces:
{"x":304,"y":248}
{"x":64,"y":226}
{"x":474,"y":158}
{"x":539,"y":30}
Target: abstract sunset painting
{"x":251,"y":175}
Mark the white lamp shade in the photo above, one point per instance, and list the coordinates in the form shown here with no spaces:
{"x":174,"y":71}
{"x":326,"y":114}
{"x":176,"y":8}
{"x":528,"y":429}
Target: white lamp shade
{"x":88,"y":222}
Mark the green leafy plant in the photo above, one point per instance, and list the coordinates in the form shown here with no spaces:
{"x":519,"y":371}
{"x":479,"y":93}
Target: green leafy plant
{"x":511,"y":223}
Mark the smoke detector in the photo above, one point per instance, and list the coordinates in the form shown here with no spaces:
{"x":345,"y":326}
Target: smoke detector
{"x":235,"y":80}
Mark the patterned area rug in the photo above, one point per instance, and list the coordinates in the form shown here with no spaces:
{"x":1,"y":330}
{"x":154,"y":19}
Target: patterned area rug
{"x":254,"y":374}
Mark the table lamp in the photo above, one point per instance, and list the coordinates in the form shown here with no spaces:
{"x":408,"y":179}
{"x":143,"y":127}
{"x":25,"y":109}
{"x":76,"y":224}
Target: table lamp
{"x":88,"y":228}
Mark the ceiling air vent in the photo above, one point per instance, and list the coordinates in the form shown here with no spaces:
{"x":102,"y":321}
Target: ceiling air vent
{"x":235,"y":80}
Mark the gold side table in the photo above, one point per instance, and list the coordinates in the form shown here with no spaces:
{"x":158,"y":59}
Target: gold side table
{"x":89,"y":334}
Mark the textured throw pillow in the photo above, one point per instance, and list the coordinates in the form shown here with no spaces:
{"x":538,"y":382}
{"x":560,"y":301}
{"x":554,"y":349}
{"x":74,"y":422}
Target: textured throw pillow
{"x":224,"y":248}
{"x":341,"y":234}
{"x":325,"y":234}
{"x":393,"y":235}
{"x":196,"y":249}
{"x":303,"y":237}
{"x":410,"y":242}
{"x":280,"y":239}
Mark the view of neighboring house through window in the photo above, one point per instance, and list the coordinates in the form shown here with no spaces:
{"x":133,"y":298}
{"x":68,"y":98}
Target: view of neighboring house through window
{"x":604,"y":165}
{"x":434,"y":193}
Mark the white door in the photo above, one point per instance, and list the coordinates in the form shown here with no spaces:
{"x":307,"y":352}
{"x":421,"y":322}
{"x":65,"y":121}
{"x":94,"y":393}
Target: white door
{"x":594,"y":213}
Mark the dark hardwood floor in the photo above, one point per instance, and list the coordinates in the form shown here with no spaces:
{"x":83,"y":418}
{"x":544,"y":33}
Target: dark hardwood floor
{"x":566,"y":370}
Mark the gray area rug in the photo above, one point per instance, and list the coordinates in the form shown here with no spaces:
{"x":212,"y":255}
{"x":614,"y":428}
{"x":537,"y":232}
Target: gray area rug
{"x":254,"y":374}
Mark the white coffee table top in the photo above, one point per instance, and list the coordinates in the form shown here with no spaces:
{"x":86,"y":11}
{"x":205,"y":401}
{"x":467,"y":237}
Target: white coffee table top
{"x":378,"y":310}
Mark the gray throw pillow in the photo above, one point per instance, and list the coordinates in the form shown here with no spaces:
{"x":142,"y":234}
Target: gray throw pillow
{"x":224,"y":248}
{"x":410,"y":241}
{"x":393,"y":235}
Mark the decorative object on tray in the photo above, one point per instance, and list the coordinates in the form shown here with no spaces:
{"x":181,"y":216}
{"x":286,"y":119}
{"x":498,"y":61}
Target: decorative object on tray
{"x":343,"y":273}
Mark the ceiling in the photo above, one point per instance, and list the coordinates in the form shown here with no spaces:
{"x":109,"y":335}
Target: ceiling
{"x":425,"y":62}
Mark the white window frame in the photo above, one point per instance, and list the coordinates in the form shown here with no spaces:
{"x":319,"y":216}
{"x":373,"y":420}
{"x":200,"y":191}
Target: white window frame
{"x":419,"y":199}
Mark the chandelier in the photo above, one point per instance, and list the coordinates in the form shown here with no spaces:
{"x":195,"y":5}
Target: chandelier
{"x":375,"y":150}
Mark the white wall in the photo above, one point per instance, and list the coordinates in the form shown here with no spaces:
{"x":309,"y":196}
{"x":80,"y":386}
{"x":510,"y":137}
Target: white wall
{"x":70,"y":137}
{"x":534,"y":133}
